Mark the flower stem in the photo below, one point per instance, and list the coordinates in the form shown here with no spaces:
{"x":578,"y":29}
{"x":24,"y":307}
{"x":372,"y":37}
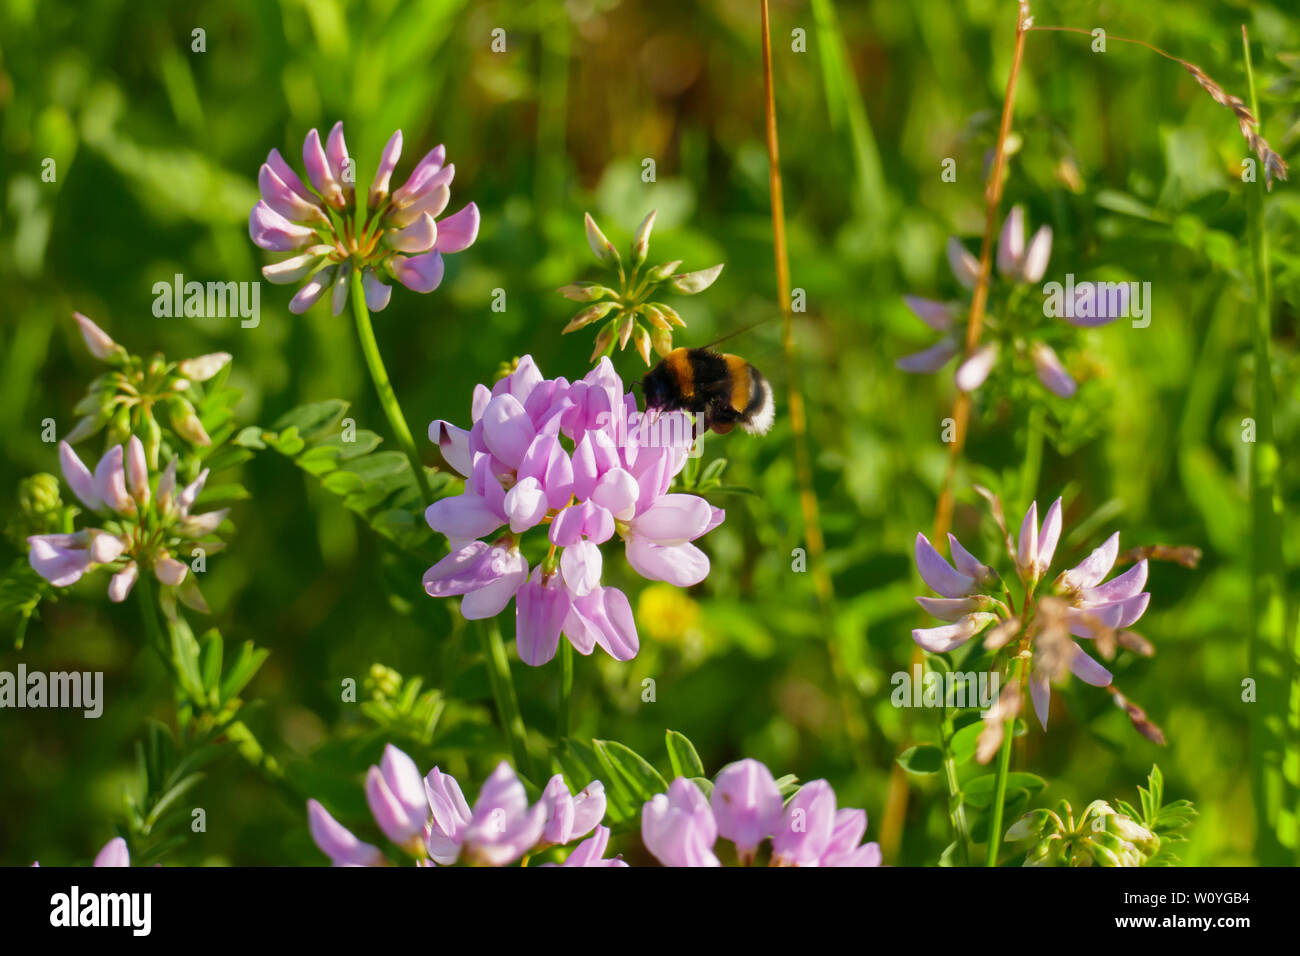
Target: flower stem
{"x":822,"y":584}
{"x":956,"y":810}
{"x":979,"y":301}
{"x":566,"y":689}
{"x":896,"y":801}
{"x":1268,"y":649}
{"x":387,"y":397}
{"x":503,"y":692}
{"x":144,"y":590}
{"x":1004,"y":765}
{"x":249,"y":747}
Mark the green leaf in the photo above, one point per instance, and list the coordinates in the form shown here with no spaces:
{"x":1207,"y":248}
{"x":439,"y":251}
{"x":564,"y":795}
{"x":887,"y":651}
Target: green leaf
{"x":185,"y":655}
{"x":247,"y":664}
{"x":643,"y":780}
{"x":343,"y":482}
{"x":979,"y":791}
{"x":250,"y":437}
{"x":212,"y":650}
{"x":683,"y":756}
{"x":962,"y":744}
{"x":921,"y":759}
{"x":312,"y":419}
{"x":581,"y":763}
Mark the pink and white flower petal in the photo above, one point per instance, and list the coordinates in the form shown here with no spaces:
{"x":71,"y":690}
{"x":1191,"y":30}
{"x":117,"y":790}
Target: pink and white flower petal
{"x":284,"y":200}
{"x":1037,"y":255}
{"x":319,"y":171}
{"x":938,"y":573}
{"x":79,"y":478}
{"x":453,"y":442}
{"x":1011,"y":243}
{"x":973,"y":372}
{"x":295,"y":268}
{"x":287,"y":176}
{"x":540,"y":611}
{"x":965,"y":267}
{"x":950,"y":609}
{"x":937,"y":315}
{"x":415,"y":238}
{"x":1048,"y":536}
{"x":120,"y":585}
{"x":581,"y":565}
{"x":940,"y":640}
{"x":525,"y":505}
{"x":377,"y":293}
{"x":1040,"y":692}
{"x":53,"y":558}
{"x":1088,"y":670}
{"x":967,"y":563}
{"x":1093,"y":569}
{"x":928,"y":360}
{"x":114,"y":853}
{"x":608,"y":613}
{"x":1051,"y":372}
{"x":387,"y":163}
{"x":458,"y":231}
{"x":110,"y":482}
{"x":419,"y":273}
{"x":98,"y":342}
{"x":337,"y":842}
{"x":683,"y":565}
{"x":1120,"y":588}
{"x":310,"y":293}
{"x":274,"y":233}
{"x":169,"y":571}
{"x":432,"y":202}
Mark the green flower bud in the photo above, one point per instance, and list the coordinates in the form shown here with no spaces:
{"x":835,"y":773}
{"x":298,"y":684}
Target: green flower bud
{"x":662,"y":271}
{"x":641,"y":240}
{"x":185,"y":422}
{"x":586,"y":291}
{"x":39,"y":494}
{"x":601,"y":247}
{"x":592,"y":313}
{"x":689,"y":283}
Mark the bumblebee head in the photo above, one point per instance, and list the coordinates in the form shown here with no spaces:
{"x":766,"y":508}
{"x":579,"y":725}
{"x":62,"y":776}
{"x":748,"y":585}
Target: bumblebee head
{"x":657,"y":387}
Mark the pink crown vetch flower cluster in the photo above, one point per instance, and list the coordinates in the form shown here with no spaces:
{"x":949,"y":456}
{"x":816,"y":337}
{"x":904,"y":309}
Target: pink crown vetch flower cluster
{"x":680,"y":827}
{"x":145,"y":524}
{"x":1023,"y":264}
{"x":560,"y":454}
{"x":130,"y":396}
{"x":429,"y":819}
{"x":114,"y":854}
{"x":400,"y":236}
{"x":1081,"y":603}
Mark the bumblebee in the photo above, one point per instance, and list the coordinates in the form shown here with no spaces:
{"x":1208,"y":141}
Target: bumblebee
{"x":725,"y":389}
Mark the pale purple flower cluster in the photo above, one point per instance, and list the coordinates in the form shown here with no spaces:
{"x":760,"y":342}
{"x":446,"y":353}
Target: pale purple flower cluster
{"x":1091,"y":607}
{"x":549,"y":452}
{"x":1019,"y":263}
{"x":429,"y":819}
{"x":145,"y":525}
{"x":114,"y":854}
{"x":680,"y":827}
{"x":400,"y":236}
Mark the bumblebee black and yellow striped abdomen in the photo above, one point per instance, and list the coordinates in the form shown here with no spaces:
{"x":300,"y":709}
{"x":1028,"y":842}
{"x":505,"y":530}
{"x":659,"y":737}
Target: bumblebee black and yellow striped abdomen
{"x":725,"y":389}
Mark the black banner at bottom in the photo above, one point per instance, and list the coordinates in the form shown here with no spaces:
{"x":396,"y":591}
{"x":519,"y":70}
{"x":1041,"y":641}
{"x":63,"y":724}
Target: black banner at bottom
{"x":339,"y":906}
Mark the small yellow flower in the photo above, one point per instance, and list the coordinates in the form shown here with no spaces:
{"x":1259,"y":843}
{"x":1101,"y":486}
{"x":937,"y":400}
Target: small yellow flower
{"x":667,"y":614}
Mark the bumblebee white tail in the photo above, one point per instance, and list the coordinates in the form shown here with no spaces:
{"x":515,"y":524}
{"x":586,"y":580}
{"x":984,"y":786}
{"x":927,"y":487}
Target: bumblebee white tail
{"x":760,"y":421}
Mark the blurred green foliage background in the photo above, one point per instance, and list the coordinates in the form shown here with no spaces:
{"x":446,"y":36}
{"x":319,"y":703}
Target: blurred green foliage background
{"x":157,"y":148}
